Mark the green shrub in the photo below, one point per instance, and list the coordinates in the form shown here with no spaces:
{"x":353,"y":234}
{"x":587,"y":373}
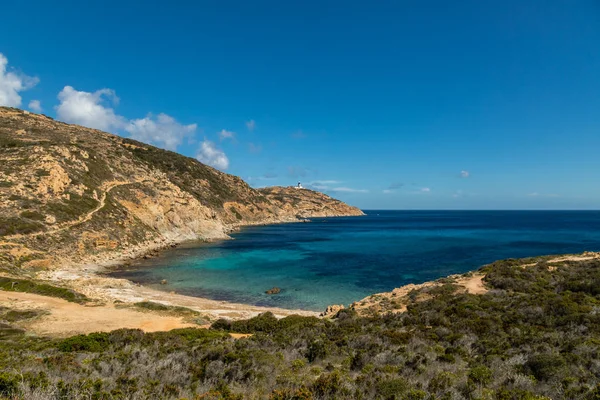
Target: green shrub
{"x":327,"y":385}
{"x":317,"y":350}
{"x":481,"y":375}
{"x":545,"y":366}
{"x":265,"y":322}
{"x":18,"y":226}
{"x":9,"y":384}
{"x":94,"y":342}
{"x":22,"y":285}
{"x":392,"y":388}
{"x":34,"y":215}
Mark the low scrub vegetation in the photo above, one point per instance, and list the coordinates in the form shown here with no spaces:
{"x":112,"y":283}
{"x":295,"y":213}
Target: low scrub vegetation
{"x":23,"y":285}
{"x":188,"y":314}
{"x":21,"y":226}
{"x":534,"y":335}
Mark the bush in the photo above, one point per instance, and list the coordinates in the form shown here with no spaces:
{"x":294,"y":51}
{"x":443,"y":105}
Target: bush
{"x":389,"y":389}
{"x":22,"y":285}
{"x":265,"y":322}
{"x":481,"y":375}
{"x":327,"y":385}
{"x":9,"y":384}
{"x":94,"y":342}
{"x":317,"y":350}
{"x":545,"y":366}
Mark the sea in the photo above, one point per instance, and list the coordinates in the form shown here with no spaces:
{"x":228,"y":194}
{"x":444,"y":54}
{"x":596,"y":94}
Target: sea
{"x":344,"y":259}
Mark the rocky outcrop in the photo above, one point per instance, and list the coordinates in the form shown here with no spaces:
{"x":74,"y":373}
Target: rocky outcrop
{"x":273,"y":290}
{"x":73,"y":195}
{"x":331,"y":311}
{"x":304,"y":203}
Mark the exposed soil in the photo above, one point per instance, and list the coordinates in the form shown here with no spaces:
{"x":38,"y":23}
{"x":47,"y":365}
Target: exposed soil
{"x":63,"y":318}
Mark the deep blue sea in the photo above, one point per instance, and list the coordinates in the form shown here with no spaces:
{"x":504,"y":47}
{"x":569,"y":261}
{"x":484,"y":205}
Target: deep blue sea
{"x":341,"y":260}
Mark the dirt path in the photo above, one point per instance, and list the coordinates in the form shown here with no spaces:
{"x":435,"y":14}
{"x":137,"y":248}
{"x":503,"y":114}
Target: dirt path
{"x":88,"y":216}
{"x":588,"y":255}
{"x":473,"y":284}
{"x":64,"y":318}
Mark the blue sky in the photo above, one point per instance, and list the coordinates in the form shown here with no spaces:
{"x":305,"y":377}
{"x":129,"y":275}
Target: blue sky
{"x":391,"y":104}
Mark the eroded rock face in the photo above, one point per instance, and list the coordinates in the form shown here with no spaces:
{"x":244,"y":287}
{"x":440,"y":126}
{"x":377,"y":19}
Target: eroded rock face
{"x":73,"y":195}
{"x":331,"y":311}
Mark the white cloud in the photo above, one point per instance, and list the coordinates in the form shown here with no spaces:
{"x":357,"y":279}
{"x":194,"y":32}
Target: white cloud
{"x":325,"y":182}
{"x":163,"y":131}
{"x":329,"y":186}
{"x":225,"y":134}
{"x":87,"y":109}
{"x":209,"y":154}
{"x":348,"y":190}
{"x":35,"y":106}
{"x":251,"y":125}
{"x":254,"y":148}
{"x":387,"y":191}
{"x":536,"y":194}
{"x":12,"y":83}
{"x":90,"y":109}
{"x":464,"y":174}
{"x":424,"y":190}
{"x":265,"y":177}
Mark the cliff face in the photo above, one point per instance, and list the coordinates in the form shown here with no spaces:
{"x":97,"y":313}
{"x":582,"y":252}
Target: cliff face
{"x":70,"y":194}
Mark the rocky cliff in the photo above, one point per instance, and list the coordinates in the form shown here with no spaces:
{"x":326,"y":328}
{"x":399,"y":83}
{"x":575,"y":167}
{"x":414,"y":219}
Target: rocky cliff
{"x":70,"y":194}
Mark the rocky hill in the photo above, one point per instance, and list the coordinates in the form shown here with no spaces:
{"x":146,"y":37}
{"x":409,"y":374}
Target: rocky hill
{"x":70,"y":194}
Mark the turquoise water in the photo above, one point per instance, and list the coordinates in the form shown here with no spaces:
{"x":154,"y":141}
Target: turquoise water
{"x":341,"y":260}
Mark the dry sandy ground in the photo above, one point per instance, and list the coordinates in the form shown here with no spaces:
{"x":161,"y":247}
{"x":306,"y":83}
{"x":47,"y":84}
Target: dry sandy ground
{"x":64,"y":318}
{"x":471,"y":284}
{"x":108,"y":290}
{"x":588,"y":255}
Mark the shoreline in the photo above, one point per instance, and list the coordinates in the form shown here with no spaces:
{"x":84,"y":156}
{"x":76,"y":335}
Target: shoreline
{"x":112,"y":302}
{"x":91,"y":278}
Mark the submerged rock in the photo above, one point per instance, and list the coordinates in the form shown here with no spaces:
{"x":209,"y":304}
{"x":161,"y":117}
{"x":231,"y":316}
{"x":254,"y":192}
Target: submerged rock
{"x":273,"y":290}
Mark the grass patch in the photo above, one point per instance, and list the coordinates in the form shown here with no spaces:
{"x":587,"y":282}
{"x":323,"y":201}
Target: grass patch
{"x":33,"y":215}
{"x":15,"y":225}
{"x":73,"y":208}
{"x":175,"y":311}
{"x":27,"y":286}
{"x":17,"y":315}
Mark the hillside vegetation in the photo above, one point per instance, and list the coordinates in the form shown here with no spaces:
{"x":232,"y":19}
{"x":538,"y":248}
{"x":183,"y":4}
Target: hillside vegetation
{"x":70,"y":194}
{"x":534,"y":334}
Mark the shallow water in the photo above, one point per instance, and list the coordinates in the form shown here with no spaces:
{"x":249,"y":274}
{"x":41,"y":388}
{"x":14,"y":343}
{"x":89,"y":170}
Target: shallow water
{"x":341,"y":260}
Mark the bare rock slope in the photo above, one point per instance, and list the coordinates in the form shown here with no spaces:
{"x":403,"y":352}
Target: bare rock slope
{"x":74,"y":195}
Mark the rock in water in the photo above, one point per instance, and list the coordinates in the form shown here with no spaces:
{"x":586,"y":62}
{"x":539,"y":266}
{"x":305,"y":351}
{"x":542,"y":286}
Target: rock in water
{"x":273,"y":290}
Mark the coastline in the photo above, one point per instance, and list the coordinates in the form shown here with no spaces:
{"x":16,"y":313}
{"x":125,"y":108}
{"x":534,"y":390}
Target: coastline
{"x":110,"y":293}
{"x":90,"y":279}
{"x":112,"y":304}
